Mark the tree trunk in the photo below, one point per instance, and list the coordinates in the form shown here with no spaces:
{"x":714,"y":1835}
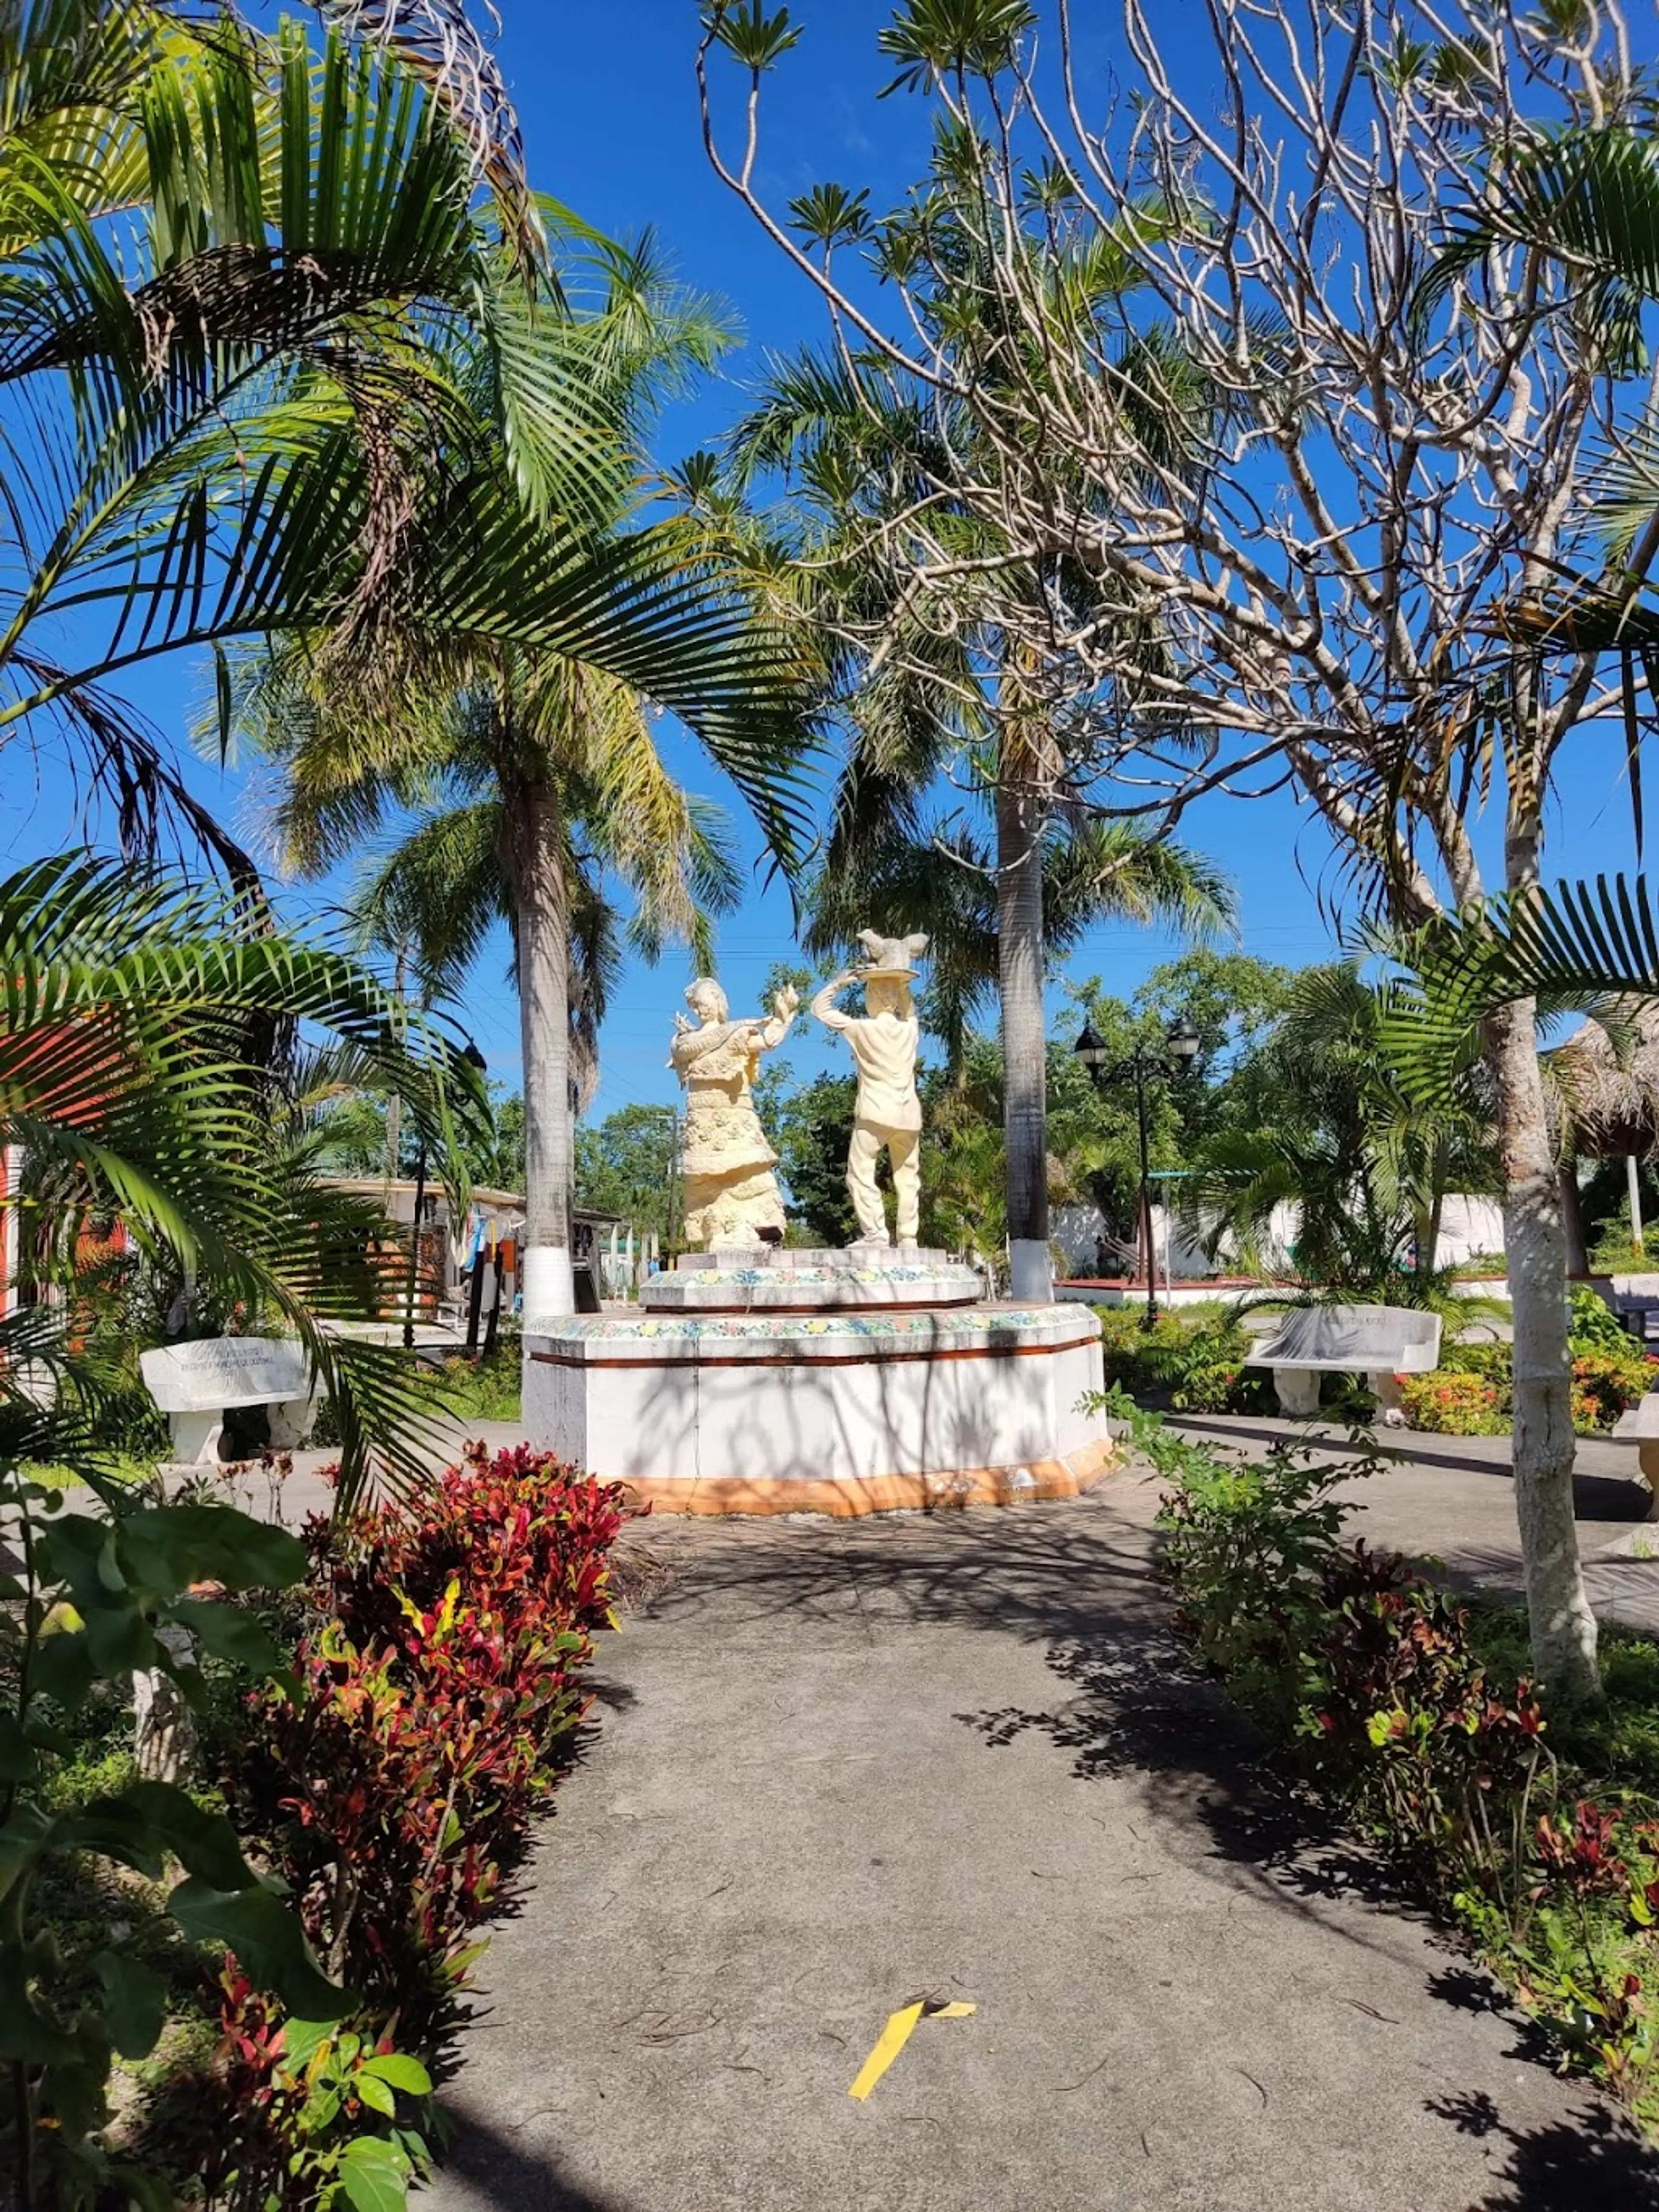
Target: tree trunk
{"x":1572,"y":1221}
{"x":394,"y":1104}
{"x":1025,"y":1072}
{"x":541,"y":899}
{"x":1562,"y":1625}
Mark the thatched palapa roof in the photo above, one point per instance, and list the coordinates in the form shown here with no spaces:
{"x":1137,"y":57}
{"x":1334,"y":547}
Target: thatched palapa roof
{"x":1606,"y":1087}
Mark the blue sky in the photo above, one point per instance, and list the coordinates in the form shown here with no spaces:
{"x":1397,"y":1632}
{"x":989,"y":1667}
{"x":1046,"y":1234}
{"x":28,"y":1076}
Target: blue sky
{"x":608,"y":107}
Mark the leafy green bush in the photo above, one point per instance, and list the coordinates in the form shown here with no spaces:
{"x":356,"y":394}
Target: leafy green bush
{"x":1193,"y":1359}
{"x":391,"y":1782}
{"x":1610,"y":1373}
{"x":1532,"y":1831}
{"x":1593,"y":1326}
{"x":1494,"y":1363}
{"x":1451,"y":1403}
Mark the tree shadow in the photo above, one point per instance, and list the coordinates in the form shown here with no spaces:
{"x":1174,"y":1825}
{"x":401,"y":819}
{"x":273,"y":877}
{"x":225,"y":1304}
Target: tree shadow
{"x":1079,"y":1580}
{"x":484,"y":2173}
{"x":1591,"y":2158}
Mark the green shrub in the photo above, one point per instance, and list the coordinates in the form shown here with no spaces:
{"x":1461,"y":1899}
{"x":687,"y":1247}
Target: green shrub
{"x":1494,"y":1363}
{"x":1450,"y":1403}
{"x":1191,"y":1359}
{"x":391,"y":1782}
{"x":1605,"y":1385}
{"x":1592,"y":1325}
{"x":1532,"y":1831}
{"x":1610,"y":1373}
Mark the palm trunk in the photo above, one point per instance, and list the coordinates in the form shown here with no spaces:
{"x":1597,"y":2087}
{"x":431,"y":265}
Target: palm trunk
{"x":394,"y":1104}
{"x":1562,"y":1625}
{"x":1024,"y":1075}
{"x":541,"y":897}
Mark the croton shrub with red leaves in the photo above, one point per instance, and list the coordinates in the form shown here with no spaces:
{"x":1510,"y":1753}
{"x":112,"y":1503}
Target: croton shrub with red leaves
{"x":437,"y":1699}
{"x":1373,"y":1678}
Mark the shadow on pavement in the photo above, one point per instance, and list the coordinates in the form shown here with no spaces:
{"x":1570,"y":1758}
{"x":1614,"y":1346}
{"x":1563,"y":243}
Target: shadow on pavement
{"x":1591,"y":2159}
{"x":487,"y":2174}
{"x":1130,"y":1704}
{"x":1597,"y":1496}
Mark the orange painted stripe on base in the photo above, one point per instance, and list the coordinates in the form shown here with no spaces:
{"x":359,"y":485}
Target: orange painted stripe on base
{"x":857,"y":1495}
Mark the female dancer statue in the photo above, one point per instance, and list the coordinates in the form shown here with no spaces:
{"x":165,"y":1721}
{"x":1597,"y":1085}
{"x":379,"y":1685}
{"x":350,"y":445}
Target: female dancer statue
{"x":731,"y":1195}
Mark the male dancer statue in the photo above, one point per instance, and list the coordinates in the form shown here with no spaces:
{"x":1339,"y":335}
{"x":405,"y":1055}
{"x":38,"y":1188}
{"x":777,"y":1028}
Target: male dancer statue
{"x":889,"y":1112}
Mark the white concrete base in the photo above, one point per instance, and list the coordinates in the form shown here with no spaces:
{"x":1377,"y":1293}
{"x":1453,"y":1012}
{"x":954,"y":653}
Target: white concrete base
{"x":195,"y":1439}
{"x":1384,"y":1387}
{"x":773,"y":1400}
{"x":1031,"y":1271}
{"x":549,"y":1286}
{"x":839,"y":1280}
{"x":1298,"y":1391}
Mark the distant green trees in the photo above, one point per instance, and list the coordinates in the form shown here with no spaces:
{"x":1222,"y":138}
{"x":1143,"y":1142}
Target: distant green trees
{"x":626,"y":1166}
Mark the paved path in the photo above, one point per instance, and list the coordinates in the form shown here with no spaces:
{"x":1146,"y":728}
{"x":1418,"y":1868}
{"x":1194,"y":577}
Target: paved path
{"x":843,"y":1765}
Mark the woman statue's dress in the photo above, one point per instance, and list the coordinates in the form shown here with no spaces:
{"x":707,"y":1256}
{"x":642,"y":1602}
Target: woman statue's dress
{"x":730,"y":1192}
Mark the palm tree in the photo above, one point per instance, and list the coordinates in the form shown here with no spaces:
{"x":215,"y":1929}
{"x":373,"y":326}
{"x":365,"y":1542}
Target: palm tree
{"x":136,"y":1018}
{"x":526,"y":769}
{"x":930,"y":690}
{"x":1366,"y":1167}
{"x":1092,"y":871}
{"x":216,"y":253}
{"x":141,"y":1074}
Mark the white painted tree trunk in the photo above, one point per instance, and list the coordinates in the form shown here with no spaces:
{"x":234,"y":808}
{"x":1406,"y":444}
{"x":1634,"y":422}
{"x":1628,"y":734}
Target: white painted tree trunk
{"x":1562,"y":1625}
{"x":541,"y":897}
{"x":163,"y":1726}
{"x":1024,"y":1067}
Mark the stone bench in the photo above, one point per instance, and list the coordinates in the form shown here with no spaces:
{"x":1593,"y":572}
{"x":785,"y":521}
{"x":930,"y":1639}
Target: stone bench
{"x":1378,"y":1342}
{"x":196,"y":1384}
{"x":1639,"y":1426}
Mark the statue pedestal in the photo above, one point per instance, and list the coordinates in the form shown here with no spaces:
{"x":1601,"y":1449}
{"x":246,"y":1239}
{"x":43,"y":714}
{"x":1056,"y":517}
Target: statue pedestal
{"x":810,"y":1383}
{"x":865,"y":1275}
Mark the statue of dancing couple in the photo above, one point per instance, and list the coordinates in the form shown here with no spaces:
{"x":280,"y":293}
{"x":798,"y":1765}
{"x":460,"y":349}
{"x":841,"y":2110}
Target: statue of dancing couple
{"x":731,"y":1195}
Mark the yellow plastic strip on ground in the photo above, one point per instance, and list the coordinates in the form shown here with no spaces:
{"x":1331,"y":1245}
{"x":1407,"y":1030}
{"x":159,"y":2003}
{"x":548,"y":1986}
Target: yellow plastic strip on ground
{"x":893,"y":2038}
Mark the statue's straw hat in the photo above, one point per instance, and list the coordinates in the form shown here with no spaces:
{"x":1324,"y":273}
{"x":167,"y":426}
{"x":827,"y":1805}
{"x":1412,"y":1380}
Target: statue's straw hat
{"x":893,"y":956}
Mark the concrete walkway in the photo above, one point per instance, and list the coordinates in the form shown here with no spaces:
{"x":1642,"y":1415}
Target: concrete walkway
{"x":841,"y":1766}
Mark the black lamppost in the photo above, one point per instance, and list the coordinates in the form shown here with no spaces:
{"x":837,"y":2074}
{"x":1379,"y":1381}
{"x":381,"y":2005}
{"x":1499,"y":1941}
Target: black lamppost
{"x":1182,"y":1046}
{"x":475,"y":1059}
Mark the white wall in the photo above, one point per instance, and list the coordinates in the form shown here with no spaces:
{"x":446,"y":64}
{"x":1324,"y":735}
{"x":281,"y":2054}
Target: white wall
{"x":1467,"y":1225}
{"x":1075,"y":1228}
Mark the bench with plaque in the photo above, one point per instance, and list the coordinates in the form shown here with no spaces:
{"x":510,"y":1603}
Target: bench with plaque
{"x":196,"y":1384}
{"x":1378,"y":1342}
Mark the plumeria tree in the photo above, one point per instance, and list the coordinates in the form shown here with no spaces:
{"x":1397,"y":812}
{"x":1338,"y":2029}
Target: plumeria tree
{"x":1341,"y":566}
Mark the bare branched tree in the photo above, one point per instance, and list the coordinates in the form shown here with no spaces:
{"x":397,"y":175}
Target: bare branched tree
{"x":1286,"y":231}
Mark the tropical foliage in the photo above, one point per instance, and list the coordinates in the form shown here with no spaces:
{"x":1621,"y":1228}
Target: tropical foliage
{"x":1530,"y":1826}
{"x":1342,"y":1149}
{"x":140,"y":1037}
{"x":925,"y":611}
{"x":215,"y":246}
{"x":525,"y":783}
